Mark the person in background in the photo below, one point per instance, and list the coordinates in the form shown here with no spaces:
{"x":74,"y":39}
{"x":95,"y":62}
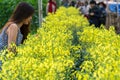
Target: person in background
{"x":78,"y":4}
{"x":65,"y":3}
{"x":102,"y":7}
{"x":94,"y":14}
{"x":51,"y":7}
{"x":17,"y":28}
{"x":86,"y":11}
{"x":72,"y":3}
{"x":83,"y":7}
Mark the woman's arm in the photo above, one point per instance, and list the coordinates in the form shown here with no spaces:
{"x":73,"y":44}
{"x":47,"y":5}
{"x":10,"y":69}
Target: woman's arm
{"x":12,"y":32}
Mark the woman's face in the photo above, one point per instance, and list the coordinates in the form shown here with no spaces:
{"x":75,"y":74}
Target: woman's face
{"x":27,"y":21}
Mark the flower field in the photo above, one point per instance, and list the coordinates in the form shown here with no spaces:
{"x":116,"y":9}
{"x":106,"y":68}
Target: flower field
{"x":65,"y":48}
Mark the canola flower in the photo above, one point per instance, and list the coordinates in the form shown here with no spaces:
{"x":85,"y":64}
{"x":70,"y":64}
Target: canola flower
{"x":65,"y":48}
{"x":45,"y":55}
{"x":102,"y":60}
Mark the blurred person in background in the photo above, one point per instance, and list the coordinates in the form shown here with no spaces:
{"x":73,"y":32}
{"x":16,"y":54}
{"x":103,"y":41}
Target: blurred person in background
{"x":87,"y":7}
{"x":78,"y":4}
{"x":103,"y":12}
{"x":72,"y":3}
{"x":65,"y":3}
{"x":81,"y":7}
{"x":51,"y":7}
{"x":94,"y":14}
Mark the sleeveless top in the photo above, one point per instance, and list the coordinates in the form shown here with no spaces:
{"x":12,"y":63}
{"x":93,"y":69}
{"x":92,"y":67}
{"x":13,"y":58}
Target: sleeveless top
{"x":4,"y":38}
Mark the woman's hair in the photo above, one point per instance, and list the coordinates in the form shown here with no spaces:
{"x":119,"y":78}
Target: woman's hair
{"x":22,"y":12}
{"x":93,"y":2}
{"x":50,"y":1}
{"x":102,"y":3}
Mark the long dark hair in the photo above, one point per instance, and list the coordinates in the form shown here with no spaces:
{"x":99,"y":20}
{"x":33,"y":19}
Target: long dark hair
{"x":50,"y":1}
{"x":22,"y":12}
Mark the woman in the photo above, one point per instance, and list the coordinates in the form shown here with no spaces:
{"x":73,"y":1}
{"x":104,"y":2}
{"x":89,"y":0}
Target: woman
{"x":51,"y":7}
{"x":17,"y":28}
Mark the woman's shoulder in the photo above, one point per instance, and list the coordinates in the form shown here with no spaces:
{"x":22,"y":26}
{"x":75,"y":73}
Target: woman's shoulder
{"x":12,"y":28}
